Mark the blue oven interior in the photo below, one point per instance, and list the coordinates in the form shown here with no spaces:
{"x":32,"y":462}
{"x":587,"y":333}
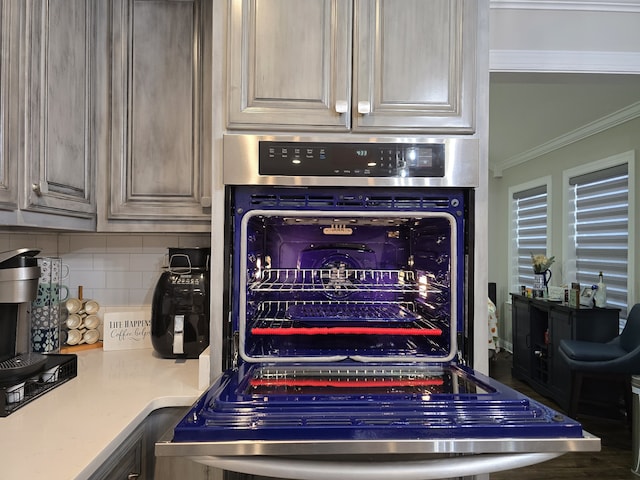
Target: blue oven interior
{"x":346,"y":320}
{"x":329,"y":276}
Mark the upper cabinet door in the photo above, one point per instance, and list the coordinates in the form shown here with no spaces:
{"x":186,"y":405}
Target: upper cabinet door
{"x":59,"y":116}
{"x":159,"y":174}
{"x":290,"y":64}
{"x":414,"y":65}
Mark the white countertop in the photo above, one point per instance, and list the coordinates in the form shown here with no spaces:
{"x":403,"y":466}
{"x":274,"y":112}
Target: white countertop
{"x":71,"y":430}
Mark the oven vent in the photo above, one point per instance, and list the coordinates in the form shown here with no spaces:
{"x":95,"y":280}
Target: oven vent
{"x":297,"y":200}
{"x":307,"y":199}
{"x":264,"y":200}
{"x":406,"y":202}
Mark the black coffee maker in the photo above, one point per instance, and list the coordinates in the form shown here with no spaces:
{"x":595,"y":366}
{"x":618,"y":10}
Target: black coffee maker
{"x":180,"y":307}
{"x":19,"y":276}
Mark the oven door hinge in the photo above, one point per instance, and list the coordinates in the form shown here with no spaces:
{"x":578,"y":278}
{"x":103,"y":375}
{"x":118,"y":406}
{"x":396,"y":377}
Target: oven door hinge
{"x":461,"y":359}
{"x":236,"y":349}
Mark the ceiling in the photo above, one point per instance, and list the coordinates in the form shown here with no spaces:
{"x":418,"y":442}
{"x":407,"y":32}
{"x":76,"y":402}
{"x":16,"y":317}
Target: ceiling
{"x":530,"y":113}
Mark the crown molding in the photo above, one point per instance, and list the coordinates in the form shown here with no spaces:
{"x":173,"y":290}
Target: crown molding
{"x":563,"y":61}
{"x":584,"y":5}
{"x":616,"y":118}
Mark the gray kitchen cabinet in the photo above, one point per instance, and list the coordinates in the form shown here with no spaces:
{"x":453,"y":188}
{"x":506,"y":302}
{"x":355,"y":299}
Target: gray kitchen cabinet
{"x":48,"y":86}
{"x":9,"y":58}
{"x":135,"y":458}
{"x":156,"y":116}
{"x":128,"y":461}
{"x":361,"y":65}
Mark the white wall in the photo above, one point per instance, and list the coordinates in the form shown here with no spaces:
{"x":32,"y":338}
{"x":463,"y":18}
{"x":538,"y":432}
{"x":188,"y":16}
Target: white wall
{"x":616,"y":140}
{"x":565,"y":36}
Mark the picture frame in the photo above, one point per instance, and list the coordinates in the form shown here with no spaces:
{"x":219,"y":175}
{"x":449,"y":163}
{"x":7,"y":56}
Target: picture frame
{"x":586,"y":296}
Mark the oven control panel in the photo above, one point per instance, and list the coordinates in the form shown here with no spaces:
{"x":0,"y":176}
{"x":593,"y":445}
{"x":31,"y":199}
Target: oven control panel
{"x":352,"y":159}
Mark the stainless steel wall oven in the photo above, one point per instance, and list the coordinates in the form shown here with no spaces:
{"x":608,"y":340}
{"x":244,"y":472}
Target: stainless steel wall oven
{"x":347,"y":321}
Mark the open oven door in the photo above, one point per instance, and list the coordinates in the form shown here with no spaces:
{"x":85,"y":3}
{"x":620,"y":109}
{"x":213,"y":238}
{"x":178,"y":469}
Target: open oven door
{"x":328,"y":421}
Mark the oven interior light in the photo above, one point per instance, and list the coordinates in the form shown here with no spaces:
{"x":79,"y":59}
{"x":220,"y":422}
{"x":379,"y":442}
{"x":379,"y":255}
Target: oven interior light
{"x":258,"y":273}
{"x":423,"y":283}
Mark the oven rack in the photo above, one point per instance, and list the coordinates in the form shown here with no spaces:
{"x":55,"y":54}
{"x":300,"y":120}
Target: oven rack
{"x":350,"y":318}
{"x":338,"y":279}
{"x":349,"y":377}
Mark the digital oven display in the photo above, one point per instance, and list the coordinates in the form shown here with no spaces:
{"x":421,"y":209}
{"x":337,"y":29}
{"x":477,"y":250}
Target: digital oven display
{"x":352,"y":159}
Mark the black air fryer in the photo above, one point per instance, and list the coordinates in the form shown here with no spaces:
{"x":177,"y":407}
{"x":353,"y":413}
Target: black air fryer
{"x":180,"y":308}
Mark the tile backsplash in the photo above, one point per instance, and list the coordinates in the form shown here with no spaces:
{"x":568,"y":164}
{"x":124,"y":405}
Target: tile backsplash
{"x":114,"y":269}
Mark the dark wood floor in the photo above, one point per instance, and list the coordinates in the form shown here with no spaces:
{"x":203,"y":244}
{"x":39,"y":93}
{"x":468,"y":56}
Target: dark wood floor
{"x":614,"y":461}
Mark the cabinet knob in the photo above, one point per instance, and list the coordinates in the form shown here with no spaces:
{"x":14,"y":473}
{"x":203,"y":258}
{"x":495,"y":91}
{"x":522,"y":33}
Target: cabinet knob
{"x":36,"y":189}
{"x":342,"y":106}
{"x":364,"y":107}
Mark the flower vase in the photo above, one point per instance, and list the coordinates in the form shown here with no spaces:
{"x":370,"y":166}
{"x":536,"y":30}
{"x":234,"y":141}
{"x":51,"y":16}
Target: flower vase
{"x":538,"y":285}
{"x":540,"y":282}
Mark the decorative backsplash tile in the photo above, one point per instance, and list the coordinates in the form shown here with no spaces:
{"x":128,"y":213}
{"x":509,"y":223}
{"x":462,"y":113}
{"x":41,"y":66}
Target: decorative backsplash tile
{"x":115,"y":269}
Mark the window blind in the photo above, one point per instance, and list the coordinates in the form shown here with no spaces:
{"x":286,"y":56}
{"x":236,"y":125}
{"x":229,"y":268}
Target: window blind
{"x":599,"y":212}
{"x":529,"y":231}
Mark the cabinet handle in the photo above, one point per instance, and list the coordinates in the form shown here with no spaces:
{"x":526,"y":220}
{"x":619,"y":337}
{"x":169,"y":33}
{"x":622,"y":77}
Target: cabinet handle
{"x":364,"y":107}
{"x":342,"y":106}
{"x":36,"y":189}
{"x":133,"y":476}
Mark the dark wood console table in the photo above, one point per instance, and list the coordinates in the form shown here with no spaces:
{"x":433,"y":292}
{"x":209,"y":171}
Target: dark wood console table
{"x":538,"y":327}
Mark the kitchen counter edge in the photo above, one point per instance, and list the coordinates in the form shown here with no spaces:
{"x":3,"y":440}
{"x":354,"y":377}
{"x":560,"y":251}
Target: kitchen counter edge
{"x":73,"y":429}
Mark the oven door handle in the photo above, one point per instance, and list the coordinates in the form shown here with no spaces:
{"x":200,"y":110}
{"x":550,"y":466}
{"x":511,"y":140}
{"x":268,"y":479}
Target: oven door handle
{"x":306,"y":469}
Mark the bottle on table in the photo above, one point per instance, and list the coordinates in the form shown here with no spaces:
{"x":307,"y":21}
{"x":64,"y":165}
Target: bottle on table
{"x":600,"y":298}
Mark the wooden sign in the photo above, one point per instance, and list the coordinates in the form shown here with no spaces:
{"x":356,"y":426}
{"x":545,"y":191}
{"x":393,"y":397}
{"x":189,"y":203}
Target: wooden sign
{"x":127,"y":330}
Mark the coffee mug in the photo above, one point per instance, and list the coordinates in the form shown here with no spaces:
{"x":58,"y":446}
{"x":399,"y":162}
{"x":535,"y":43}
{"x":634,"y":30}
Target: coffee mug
{"x":74,"y":337}
{"x":91,"y":336}
{"x":52,"y":270}
{"x":74,"y":321}
{"x":74,"y":305}
{"x":47,"y":316}
{"x":45,"y":340}
{"x":91,"y":307}
{"x":91,"y":322}
{"x":51,"y":293}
